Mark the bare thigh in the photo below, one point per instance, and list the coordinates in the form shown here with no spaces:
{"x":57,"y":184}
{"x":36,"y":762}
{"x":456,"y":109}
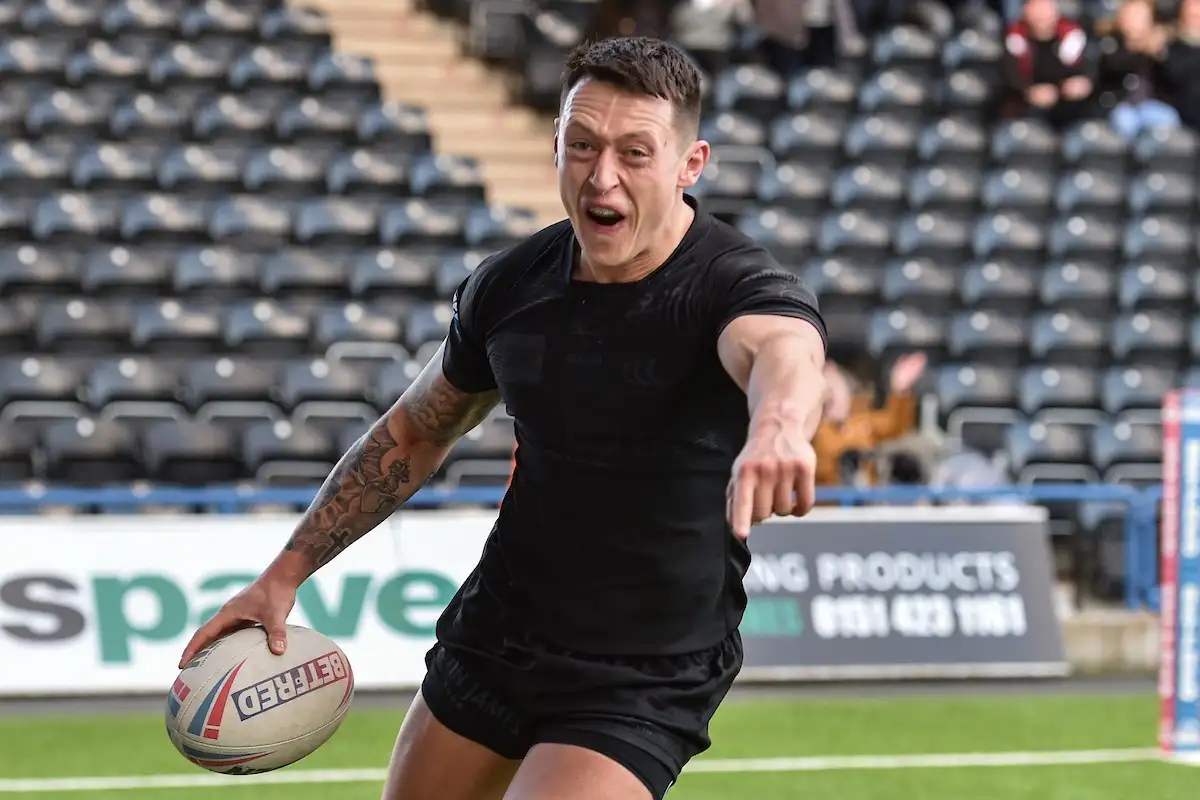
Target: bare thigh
{"x":567,"y":772}
{"x":431,"y":762}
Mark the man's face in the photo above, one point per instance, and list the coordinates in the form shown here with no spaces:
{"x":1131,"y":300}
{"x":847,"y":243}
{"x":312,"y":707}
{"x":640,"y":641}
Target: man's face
{"x":621,"y":165}
{"x":1041,"y":16}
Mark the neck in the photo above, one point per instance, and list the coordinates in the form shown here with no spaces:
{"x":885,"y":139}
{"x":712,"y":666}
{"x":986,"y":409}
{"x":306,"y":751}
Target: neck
{"x":646,"y":261}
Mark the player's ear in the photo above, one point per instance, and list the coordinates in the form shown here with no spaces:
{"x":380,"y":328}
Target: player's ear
{"x":694,"y":162}
{"x":557,"y":130}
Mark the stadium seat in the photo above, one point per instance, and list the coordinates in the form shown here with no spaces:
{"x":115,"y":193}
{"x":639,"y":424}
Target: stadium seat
{"x":750,"y":89}
{"x":1158,"y":285}
{"x":975,"y":386}
{"x":807,"y":137}
{"x":191,"y":453}
{"x":933,"y":234}
{"x":81,"y":326}
{"x":887,"y":139}
{"x":283,"y":449}
{"x":354,"y":322}
{"x":1058,"y":387}
{"x":347,"y":76}
{"x":1100,"y":194}
{"x":1149,"y":338}
{"x":942,"y":188}
{"x":823,"y":90}
{"x":854,"y":233}
{"x":1167,"y":149}
{"x":120,"y":271}
{"x":789,"y":236}
{"x":31,"y":268}
{"x":1132,"y":388}
{"x":901,"y":330}
{"x":172,"y":327}
{"x":1022,"y":190}
{"x":982,"y":335}
{"x":368,"y":172}
{"x":897,"y":92}
{"x":1025,"y":143}
{"x":399,"y":273}
{"x":283,"y":169}
{"x":1082,"y":287}
{"x":317,"y":120}
{"x":1094,"y":144}
{"x":129,"y":378}
{"x":336,"y":221}
{"x":421,"y":223}
{"x":800,"y":188}
{"x":1159,"y":237}
{"x":953,"y":141}
{"x":919,"y":282}
{"x":90,"y":452}
{"x":1036,"y":442}
{"x":1155,"y":192}
{"x":202,"y":170}
{"x":1065,"y":337}
{"x":999,"y":286}
{"x":733,"y":128}
{"x":250,"y":221}
{"x":225,"y":379}
{"x":1126,"y":441}
{"x":26,"y":165}
{"x":267,"y":327}
{"x":164,"y":218}
{"x":215,"y":272}
{"x":318,"y":380}
{"x":868,"y":188}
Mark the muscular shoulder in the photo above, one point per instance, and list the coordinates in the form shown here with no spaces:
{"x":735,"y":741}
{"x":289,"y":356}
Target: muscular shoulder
{"x":497,"y":275}
{"x":742,"y":277}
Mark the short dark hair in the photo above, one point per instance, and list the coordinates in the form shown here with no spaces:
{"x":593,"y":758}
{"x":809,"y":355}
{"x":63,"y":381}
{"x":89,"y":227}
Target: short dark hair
{"x":642,"y":65}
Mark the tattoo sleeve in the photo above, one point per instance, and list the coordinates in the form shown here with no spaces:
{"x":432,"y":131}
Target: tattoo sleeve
{"x":386,"y":466}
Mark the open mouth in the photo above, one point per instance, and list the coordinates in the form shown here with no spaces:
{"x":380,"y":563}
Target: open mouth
{"x":605,"y":217}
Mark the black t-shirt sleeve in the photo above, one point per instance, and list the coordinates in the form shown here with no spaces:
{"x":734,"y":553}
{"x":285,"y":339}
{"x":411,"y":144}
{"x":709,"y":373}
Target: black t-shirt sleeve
{"x":465,"y":361}
{"x":752,"y":282}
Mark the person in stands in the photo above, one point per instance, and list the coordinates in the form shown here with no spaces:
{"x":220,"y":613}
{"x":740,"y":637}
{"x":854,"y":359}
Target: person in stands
{"x":853,"y":428}
{"x":1045,"y":65}
{"x":1130,"y":71}
{"x":1182,"y":65}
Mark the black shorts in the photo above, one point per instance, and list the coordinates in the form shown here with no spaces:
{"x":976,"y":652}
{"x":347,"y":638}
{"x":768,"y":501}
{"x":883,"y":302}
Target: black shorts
{"x":649,"y":714}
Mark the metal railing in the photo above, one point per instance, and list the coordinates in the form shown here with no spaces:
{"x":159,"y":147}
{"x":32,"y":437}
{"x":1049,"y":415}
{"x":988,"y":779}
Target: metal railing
{"x":1137,"y":507}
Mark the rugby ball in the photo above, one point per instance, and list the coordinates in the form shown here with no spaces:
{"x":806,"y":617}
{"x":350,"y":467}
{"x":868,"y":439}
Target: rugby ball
{"x":239,"y":709}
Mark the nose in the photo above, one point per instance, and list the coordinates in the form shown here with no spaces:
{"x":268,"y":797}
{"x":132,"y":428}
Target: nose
{"x":604,"y":174}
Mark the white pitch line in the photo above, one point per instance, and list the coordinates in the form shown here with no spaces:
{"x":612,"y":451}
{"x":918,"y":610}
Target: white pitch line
{"x":714,"y":765}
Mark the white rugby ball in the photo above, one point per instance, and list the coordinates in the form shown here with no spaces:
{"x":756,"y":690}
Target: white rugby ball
{"x":239,"y":709}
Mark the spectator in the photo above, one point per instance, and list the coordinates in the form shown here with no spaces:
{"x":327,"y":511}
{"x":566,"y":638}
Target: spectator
{"x":798,"y":34}
{"x":1045,"y":67}
{"x":1183,"y":63}
{"x":1130,"y":71}
{"x":853,"y":428}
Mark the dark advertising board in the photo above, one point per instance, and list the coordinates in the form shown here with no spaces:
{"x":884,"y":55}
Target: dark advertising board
{"x":904,"y":592}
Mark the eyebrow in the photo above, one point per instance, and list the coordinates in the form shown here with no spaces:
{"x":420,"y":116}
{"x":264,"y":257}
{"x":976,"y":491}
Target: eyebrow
{"x":587,"y":131}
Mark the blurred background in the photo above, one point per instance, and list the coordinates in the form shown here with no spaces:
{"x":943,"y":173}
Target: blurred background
{"x":229,"y":231}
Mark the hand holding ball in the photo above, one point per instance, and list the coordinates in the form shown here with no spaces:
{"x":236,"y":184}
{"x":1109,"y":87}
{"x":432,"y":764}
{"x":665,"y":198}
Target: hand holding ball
{"x":239,"y":709}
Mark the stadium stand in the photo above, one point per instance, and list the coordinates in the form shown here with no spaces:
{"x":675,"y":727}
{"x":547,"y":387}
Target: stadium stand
{"x":228,"y":246}
{"x":226,"y":252}
{"x":1048,"y":274}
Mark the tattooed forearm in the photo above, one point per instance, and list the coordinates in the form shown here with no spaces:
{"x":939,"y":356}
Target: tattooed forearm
{"x":370,"y":481}
{"x":386,"y":467}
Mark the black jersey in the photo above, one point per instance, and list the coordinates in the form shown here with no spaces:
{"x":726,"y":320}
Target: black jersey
{"x":612,"y":537}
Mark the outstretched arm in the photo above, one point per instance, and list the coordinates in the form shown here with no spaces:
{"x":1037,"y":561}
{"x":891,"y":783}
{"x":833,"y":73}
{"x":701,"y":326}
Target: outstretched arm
{"x":382,"y":470}
{"x":778,"y":362}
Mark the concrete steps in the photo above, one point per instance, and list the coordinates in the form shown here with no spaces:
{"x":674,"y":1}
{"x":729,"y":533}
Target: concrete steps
{"x":418,"y":61}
